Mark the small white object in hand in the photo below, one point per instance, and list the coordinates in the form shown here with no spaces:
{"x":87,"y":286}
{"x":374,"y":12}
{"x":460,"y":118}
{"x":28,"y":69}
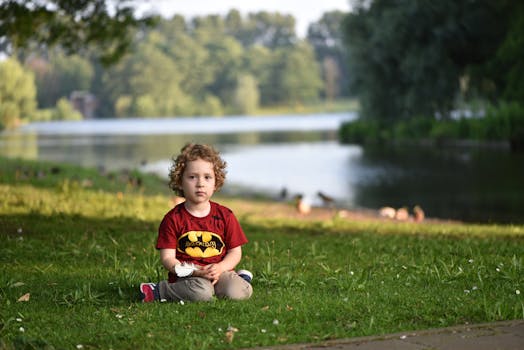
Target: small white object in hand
{"x":185,"y":269}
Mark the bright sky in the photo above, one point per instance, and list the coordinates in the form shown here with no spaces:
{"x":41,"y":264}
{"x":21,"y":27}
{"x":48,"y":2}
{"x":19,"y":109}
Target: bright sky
{"x":304,"y":11}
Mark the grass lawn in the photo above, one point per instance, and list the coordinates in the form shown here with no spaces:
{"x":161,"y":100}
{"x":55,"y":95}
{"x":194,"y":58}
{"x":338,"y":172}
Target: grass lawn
{"x":75,"y":245}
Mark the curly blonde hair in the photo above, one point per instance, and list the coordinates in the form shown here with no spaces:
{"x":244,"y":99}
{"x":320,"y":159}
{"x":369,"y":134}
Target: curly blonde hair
{"x":190,"y":152}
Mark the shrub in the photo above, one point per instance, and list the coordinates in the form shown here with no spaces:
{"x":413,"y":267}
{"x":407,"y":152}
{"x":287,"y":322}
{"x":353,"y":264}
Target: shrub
{"x":359,"y":131}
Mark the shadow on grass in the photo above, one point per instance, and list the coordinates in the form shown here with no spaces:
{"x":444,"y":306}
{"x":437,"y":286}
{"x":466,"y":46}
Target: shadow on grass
{"x":72,"y":259}
{"x":64,"y":176}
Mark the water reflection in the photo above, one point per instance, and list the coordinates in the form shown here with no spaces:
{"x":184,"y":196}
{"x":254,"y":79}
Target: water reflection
{"x":18,"y":144}
{"x":471,"y":184}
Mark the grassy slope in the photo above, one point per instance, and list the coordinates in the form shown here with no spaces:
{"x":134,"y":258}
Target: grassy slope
{"x":80,"y":242}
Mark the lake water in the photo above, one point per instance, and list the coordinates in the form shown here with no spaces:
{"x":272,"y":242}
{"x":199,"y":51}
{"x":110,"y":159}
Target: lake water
{"x":297,"y":153}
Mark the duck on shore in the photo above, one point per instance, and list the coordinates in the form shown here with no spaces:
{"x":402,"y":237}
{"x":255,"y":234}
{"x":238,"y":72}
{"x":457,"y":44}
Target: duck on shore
{"x":301,"y":205}
{"x":328,"y":201}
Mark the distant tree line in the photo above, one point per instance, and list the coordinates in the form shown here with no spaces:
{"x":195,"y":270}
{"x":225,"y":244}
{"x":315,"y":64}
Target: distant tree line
{"x":209,"y":65}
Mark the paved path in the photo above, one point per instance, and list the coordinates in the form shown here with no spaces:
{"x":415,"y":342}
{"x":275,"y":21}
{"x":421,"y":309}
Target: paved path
{"x":507,"y":335}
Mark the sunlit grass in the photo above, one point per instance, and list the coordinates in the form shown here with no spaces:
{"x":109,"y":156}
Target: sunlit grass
{"x":81,"y":253}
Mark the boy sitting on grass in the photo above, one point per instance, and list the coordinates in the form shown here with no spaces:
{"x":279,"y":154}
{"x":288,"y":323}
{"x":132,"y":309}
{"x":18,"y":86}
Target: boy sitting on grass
{"x":200,"y":241}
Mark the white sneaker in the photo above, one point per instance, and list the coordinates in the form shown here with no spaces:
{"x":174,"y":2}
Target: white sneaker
{"x":246,"y":275}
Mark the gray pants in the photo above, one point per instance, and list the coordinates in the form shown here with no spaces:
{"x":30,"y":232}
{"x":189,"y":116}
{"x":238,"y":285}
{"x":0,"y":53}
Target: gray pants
{"x":229,"y":285}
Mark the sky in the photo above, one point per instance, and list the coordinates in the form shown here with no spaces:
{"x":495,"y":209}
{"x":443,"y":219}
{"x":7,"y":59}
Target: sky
{"x":304,"y":11}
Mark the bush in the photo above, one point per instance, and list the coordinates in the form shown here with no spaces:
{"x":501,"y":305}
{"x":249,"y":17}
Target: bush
{"x":359,"y":131}
{"x":504,"y":122}
{"x":445,"y":130}
{"x":415,"y":128}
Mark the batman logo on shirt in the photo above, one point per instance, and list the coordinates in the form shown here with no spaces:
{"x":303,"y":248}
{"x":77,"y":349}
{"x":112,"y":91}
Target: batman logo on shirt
{"x":200,"y":244}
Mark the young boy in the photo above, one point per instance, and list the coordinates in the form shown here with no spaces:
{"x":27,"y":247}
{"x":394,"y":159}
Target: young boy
{"x":200,"y":241}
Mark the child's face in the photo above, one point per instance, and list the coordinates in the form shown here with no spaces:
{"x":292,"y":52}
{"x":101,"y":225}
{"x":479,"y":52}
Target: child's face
{"x":198,"y":181}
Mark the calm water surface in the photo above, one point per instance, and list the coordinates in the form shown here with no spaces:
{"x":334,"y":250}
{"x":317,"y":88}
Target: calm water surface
{"x":297,"y":153}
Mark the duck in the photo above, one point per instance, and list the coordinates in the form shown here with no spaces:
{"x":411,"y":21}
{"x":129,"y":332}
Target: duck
{"x":418,"y":214}
{"x":326,"y":200}
{"x":402,"y":214}
{"x":303,"y":208}
{"x":387,"y":212}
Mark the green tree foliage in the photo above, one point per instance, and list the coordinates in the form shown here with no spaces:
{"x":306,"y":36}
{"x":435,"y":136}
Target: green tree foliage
{"x":151,"y":79}
{"x":260,"y":62}
{"x":59,"y":75}
{"x":17,"y":94}
{"x":72,"y":24}
{"x":272,"y":30}
{"x":326,"y":37}
{"x":226,"y":57}
{"x":501,"y":76}
{"x":300,"y":78}
{"x":246,"y":96}
{"x":208,"y":65}
{"x":407,"y":57}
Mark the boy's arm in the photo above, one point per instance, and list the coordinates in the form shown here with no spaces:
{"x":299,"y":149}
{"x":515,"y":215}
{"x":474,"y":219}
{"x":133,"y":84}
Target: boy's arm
{"x":231,"y":259}
{"x":168,"y":259}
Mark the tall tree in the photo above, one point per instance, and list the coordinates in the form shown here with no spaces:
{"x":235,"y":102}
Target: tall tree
{"x":225,"y":58}
{"x":501,"y":76}
{"x":326,"y":37}
{"x":299,"y":81}
{"x":246,"y":96}
{"x":259,"y":61}
{"x":408,"y":56}
{"x":149,"y":78}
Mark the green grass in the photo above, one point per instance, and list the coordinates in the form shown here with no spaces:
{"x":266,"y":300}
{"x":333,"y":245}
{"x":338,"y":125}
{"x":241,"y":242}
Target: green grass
{"x":81,"y":252}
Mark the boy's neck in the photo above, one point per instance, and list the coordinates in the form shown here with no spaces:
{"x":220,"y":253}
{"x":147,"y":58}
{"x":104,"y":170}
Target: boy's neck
{"x":199,"y":209}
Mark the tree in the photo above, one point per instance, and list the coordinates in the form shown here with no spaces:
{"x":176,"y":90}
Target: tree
{"x":190,"y":55}
{"x":150,"y":78}
{"x":246,"y":97}
{"x":331,"y":73}
{"x":501,"y":76}
{"x":259,"y":61}
{"x":408,"y":57}
{"x":326,"y":37}
{"x":225,"y":59}
{"x":272,"y":30}
{"x":59,"y":75}
{"x":17,"y":94}
{"x":299,"y":79}
{"x":74,"y":25}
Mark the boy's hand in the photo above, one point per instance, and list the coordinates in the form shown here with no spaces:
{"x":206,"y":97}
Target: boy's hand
{"x":212,"y":272}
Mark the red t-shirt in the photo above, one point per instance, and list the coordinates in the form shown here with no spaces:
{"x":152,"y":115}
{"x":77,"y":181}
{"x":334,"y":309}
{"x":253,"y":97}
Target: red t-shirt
{"x":202,"y":240}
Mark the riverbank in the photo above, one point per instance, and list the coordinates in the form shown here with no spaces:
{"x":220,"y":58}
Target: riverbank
{"x":255,"y":205}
